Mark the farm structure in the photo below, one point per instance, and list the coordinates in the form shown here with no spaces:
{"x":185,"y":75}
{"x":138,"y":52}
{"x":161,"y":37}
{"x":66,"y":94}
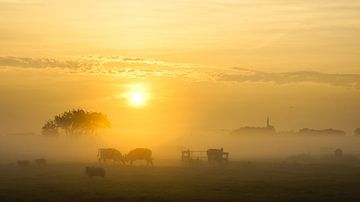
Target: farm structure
{"x":217,"y":156}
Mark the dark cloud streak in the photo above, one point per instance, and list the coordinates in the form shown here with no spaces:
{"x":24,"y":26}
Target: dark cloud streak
{"x":37,"y":63}
{"x":144,"y":67}
{"x":246,"y":75}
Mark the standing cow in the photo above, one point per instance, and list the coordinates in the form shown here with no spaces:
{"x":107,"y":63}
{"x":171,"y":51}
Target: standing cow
{"x":95,"y":171}
{"x":110,"y":154}
{"x":23,"y":163}
{"x":41,"y":162}
{"x":217,"y":156}
{"x":140,"y":154}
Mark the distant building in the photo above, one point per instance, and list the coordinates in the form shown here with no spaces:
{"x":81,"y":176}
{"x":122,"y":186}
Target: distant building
{"x":329,"y":131}
{"x":249,"y":130}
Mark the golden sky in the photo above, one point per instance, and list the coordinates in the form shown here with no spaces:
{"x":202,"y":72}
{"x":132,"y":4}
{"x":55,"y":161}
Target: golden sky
{"x":276,"y":35}
{"x":206,"y":65}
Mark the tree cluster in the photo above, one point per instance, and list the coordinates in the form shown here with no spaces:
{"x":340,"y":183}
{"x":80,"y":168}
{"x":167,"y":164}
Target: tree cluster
{"x":76,"y":122}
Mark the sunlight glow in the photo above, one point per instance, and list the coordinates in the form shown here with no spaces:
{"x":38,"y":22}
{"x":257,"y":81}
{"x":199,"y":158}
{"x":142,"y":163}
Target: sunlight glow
{"x":137,"y":95}
{"x":137,"y":99}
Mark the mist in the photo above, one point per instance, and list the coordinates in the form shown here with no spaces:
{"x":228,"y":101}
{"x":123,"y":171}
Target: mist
{"x":213,"y":100}
{"x":241,"y":148}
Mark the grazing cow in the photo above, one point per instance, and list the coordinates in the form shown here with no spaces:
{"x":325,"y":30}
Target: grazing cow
{"x":338,"y":153}
{"x":110,"y":154}
{"x":40,"y":162}
{"x":140,"y":154}
{"x":23,"y":163}
{"x":95,"y":171}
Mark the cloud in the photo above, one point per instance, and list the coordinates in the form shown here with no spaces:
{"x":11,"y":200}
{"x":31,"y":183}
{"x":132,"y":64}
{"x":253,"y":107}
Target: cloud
{"x":37,"y":62}
{"x":138,"y":67}
{"x":130,"y":67}
{"x":81,"y":63}
{"x":246,"y":75}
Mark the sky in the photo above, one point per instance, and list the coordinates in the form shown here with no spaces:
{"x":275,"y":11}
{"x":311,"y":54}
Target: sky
{"x":205,"y":66}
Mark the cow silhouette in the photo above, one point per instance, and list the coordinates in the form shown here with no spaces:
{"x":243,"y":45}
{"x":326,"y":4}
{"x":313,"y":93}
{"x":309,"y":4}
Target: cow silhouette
{"x":95,"y":171}
{"x":40,"y":162}
{"x":217,"y":156}
{"x":23,"y":163}
{"x":140,"y":154}
{"x":112,"y":154}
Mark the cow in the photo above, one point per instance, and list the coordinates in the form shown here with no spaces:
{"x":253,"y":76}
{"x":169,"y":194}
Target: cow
{"x":140,"y":154}
{"x":40,"y":162}
{"x":23,"y":163}
{"x":217,"y":156}
{"x":110,"y":154}
{"x":338,"y":153}
{"x":95,"y":171}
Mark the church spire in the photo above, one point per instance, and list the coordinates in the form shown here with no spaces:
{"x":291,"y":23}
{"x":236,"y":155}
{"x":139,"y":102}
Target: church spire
{"x":268,"y":122}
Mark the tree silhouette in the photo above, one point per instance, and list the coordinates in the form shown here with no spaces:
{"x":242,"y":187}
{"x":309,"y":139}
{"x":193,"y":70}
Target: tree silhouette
{"x":76,"y":122}
{"x":50,"y":128}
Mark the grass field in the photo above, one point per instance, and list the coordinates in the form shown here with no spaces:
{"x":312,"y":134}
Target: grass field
{"x":239,"y":181}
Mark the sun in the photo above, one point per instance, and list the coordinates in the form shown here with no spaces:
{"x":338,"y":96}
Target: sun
{"x":137,"y":95}
{"x":137,"y":99}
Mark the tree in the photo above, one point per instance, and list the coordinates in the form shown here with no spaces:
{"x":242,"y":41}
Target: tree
{"x":50,"y":128}
{"x":76,"y":122}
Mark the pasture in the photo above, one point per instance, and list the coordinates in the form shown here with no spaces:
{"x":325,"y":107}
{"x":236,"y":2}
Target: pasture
{"x":239,"y":181}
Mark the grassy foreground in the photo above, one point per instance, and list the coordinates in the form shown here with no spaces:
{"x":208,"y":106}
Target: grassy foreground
{"x":239,"y":181}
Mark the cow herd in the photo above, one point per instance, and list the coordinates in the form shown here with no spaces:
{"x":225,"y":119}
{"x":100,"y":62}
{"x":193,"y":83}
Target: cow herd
{"x":105,"y":155}
{"x":111,"y":155}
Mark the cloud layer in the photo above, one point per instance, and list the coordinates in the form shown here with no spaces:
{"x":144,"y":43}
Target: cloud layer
{"x":137,"y":67}
{"x":246,"y":75}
